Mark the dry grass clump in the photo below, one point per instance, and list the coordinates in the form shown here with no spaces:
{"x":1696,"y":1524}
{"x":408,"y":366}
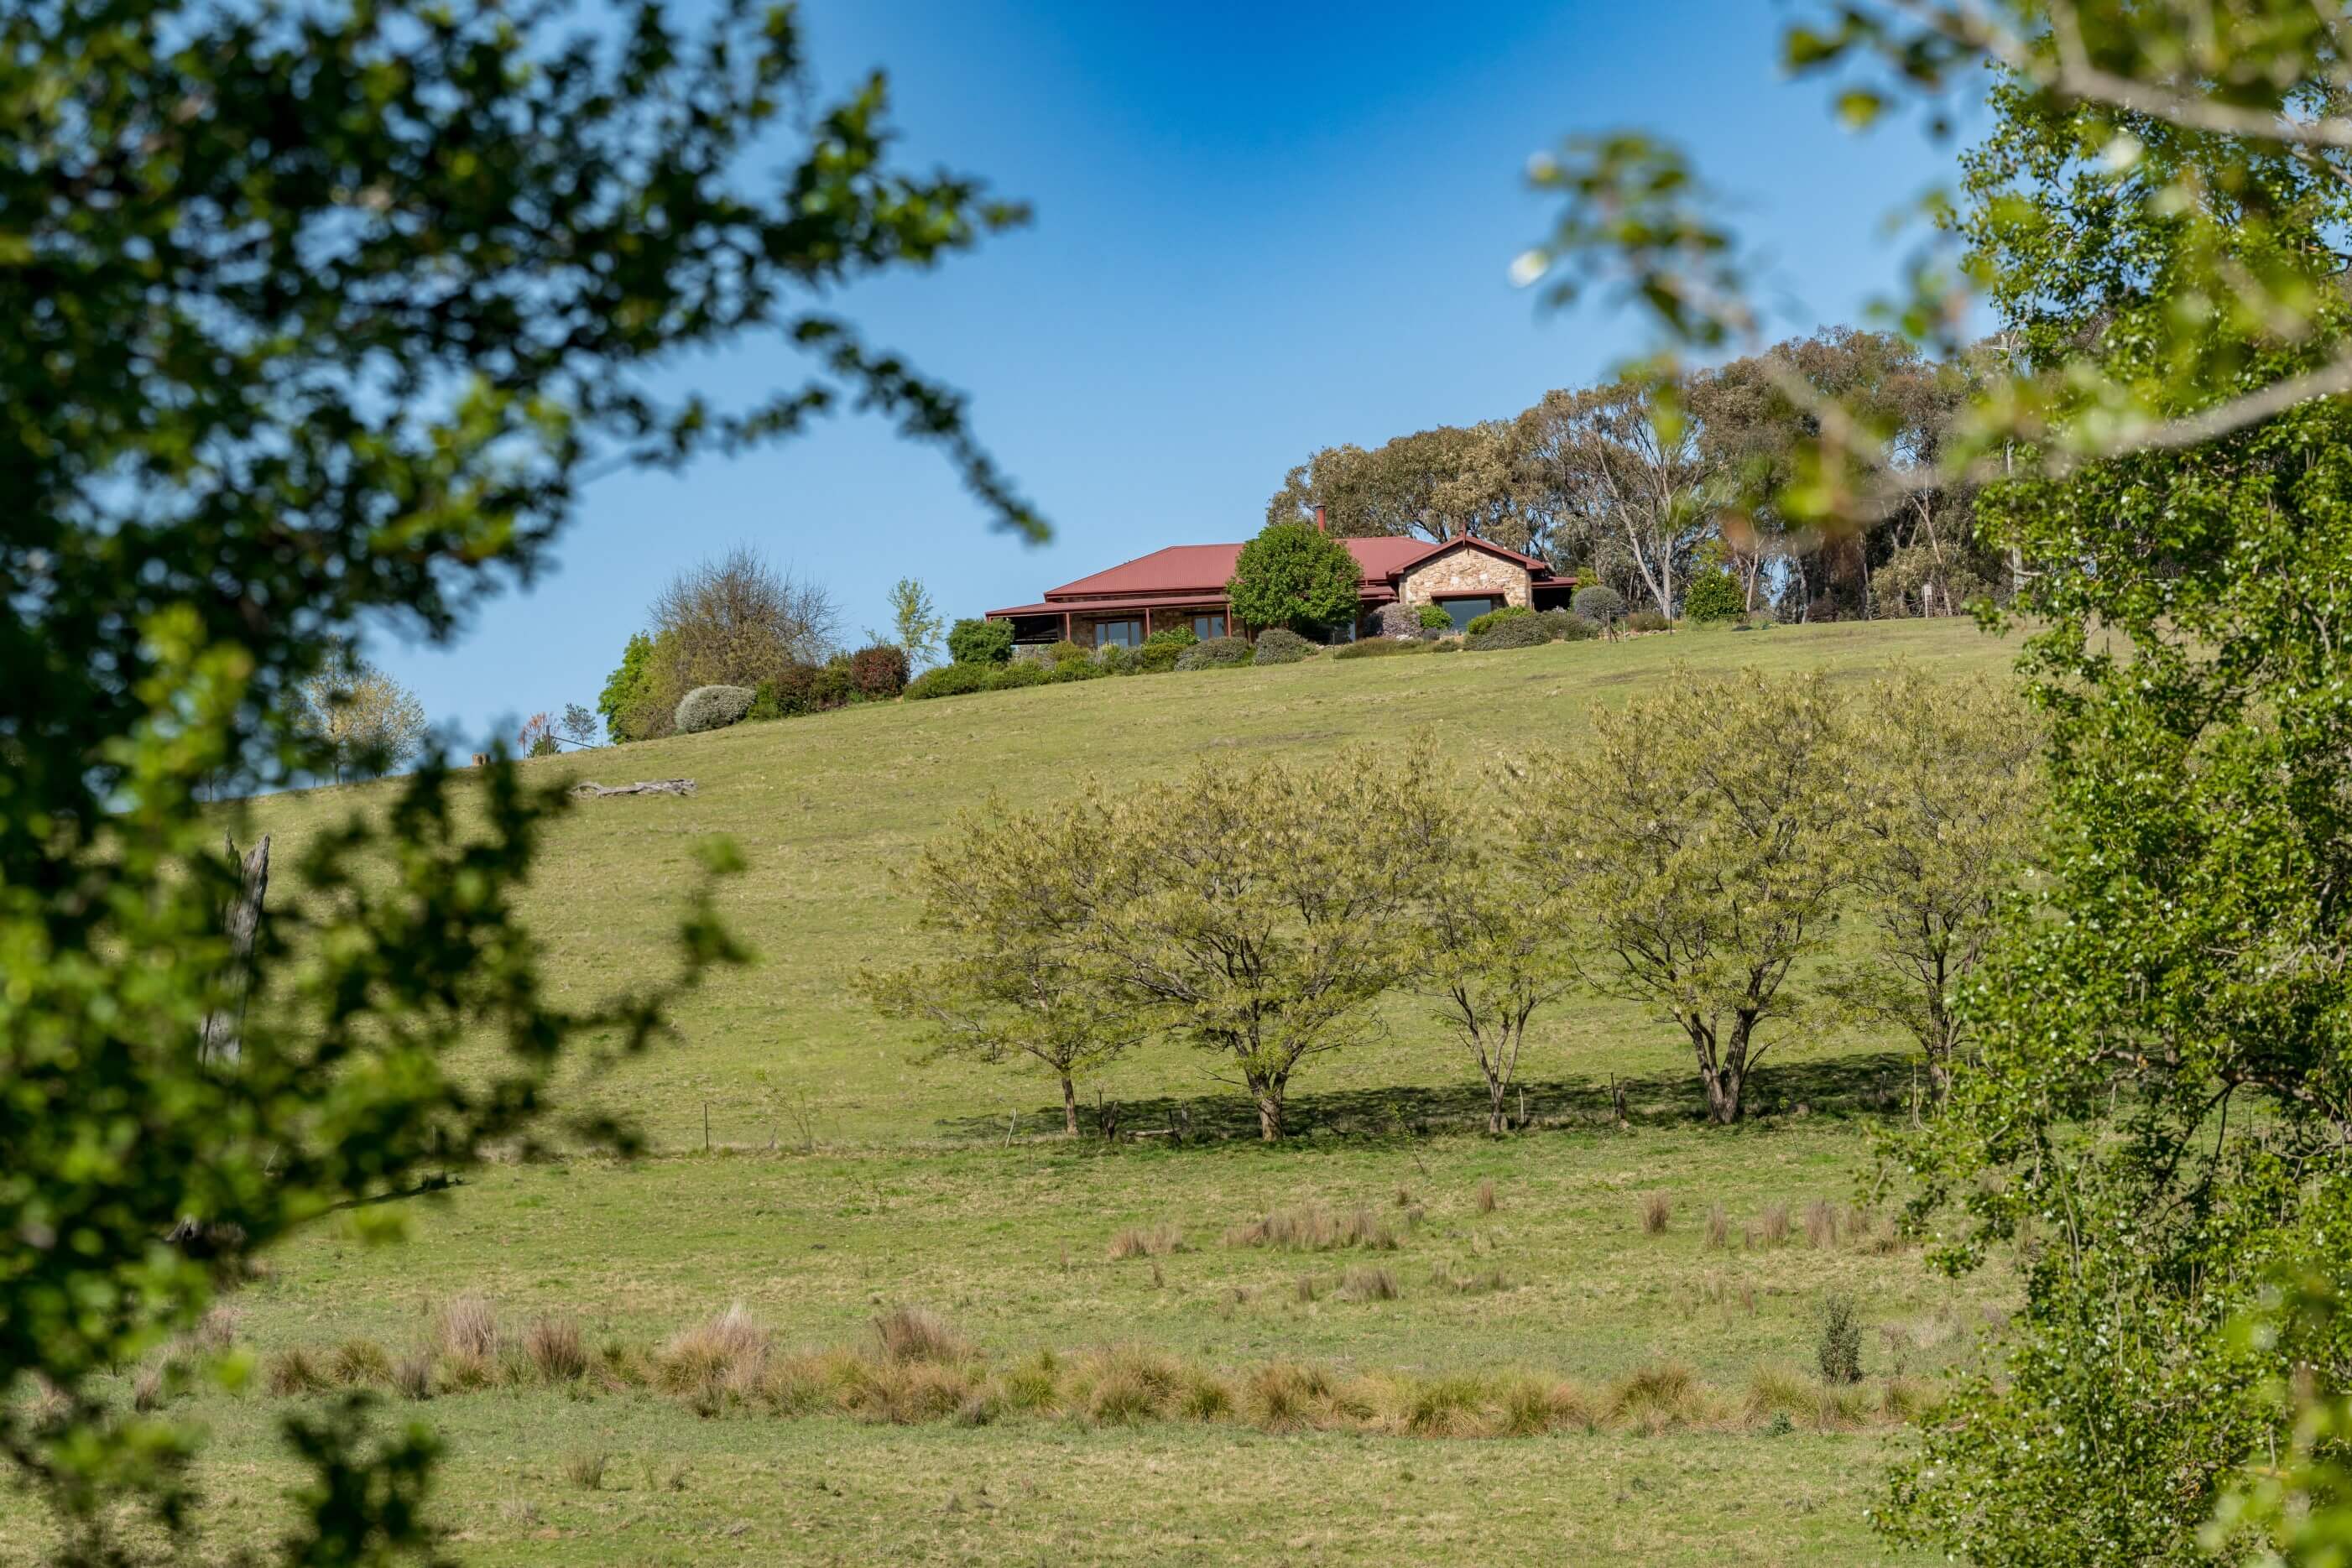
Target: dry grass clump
{"x":1657,"y":1208}
{"x":1821,"y":1224}
{"x":1445,"y":1278}
{"x":1283,"y":1396}
{"x":585,"y":1467}
{"x":1305,"y":1288}
{"x":1654,"y":1399}
{"x":556,"y":1349}
{"x":359,"y":1363}
{"x":1905,"y":1399}
{"x":1403,"y":1196}
{"x":412,"y":1375}
{"x":1718,"y":1228}
{"x":1316,"y":1230}
{"x":1148,"y":1241}
{"x":917,"y":1334}
{"x":1449,"y":1407}
{"x":215,"y":1332}
{"x":149,"y":1390}
{"x":1368,"y":1282}
{"x":728,"y":1353}
{"x":1484,"y":1198}
{"x":295,"y":1371}
{"x":908,"y":1393}
{"x":1774,"y":1225}
{"x":1205,"y":1396}
{"x":1124,"y":1385}
{"x":464,"y":1327}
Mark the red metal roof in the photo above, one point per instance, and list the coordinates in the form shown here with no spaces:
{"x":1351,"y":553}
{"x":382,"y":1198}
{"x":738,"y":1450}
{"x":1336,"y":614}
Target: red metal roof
{"x":1187,"y":576}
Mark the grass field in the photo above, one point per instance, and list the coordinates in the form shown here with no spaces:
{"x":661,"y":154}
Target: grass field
{"x":840,"y":1179}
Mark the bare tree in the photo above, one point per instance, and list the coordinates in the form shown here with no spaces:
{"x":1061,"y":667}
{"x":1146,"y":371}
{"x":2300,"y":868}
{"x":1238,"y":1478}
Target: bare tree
{"x":736,"y":620}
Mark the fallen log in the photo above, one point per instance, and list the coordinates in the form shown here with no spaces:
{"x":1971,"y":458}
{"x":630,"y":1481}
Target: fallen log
{"x":593,"y":791}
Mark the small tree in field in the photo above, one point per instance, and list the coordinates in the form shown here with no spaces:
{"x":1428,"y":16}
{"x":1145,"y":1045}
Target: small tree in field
{"x":1262,"y":910}
{"x":1495,"y":947}
{"x":1701,"y":838}
{"x":1295,"y":576}
{"x":1010,"y":975}
{"x":918,"y":622}
{"x":1951,"y":789}
{"x":363,"y":721}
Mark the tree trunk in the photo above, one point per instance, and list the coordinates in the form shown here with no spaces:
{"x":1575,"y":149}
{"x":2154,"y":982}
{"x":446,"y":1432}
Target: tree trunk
{"x":224,"y":1027}
{"x":1069,"y":1106}
{"x":1268,"y":1091}
{"x":1498,"y":1120}
{"x":1722,"y":1076}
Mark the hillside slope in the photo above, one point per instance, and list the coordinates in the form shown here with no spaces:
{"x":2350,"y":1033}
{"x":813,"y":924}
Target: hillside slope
{"x":824,"y":809}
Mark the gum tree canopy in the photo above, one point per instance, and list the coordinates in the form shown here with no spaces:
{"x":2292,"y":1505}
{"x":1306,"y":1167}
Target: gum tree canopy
{"x":322,"y":315}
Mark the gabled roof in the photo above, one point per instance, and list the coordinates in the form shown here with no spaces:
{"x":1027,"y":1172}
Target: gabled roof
{"x":1206,"y":569}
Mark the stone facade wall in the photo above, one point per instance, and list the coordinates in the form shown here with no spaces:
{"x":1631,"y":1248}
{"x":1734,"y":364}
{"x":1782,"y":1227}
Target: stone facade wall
{"x":1464,"y":572}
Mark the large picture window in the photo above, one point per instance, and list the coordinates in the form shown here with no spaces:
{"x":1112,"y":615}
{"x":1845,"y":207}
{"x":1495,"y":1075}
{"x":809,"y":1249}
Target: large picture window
{"x":1207,"y":626}
{"x":1465,"y":611}
{"x":1118,"y":633}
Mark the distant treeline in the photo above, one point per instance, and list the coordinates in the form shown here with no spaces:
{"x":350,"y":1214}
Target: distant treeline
{"x":1640,"y":492}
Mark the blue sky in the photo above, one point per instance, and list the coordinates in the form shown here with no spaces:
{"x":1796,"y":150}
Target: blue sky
{"x":1259,"y":229}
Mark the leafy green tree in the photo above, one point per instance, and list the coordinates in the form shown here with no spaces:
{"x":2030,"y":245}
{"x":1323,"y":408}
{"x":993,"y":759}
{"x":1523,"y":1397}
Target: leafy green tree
{"x":628,"y":691}
{"x":973,"y":640}
{"x":1946,"y":811}
{"x":2155,"y":218}
{"x":1700,"y":839}
{"x":317,"y":318}
{"x":1259,"y":911}
{"x":1009,"y":973}
{"x":1493,"y":948}
{"x":1294,"y":576}
{"x":918,"y":621}
{"x":1713,"y":595}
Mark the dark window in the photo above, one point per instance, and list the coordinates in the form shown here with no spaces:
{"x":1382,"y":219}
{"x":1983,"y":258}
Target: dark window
{"x":1207,"y":626}
{"x":1118,"y":633}
{"x":1465,"y":611}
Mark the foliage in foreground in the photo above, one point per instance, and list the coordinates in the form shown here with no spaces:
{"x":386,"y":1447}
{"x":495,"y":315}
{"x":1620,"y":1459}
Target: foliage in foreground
{"x":318,"y":318}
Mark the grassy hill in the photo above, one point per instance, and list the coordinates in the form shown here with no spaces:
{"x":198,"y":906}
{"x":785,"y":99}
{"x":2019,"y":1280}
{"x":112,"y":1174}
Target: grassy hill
{"x":843,"y":1179}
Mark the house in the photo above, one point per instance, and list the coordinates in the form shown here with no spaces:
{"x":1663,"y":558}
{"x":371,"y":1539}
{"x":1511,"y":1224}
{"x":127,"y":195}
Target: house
{"x":1185,"y":585}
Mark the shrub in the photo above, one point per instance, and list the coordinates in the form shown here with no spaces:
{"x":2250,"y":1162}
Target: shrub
{"x":712,"y":707}
{"x":1446,"y":645}
{"x":949,"y":681}
{"x":831,"y":685}
{"x":1566,"y":626}
{"x":1599,"y":605}
{"x":1177,"y":637}
{"x":1497,"y":616}
{"x":1063,"y":651}
{"x":1114,"y":660}
{"x":1649,"y":620}
{"x":879,"y":671}
{"x":1027,"y":673}
{"x":1156,"y":658}
{"x":1521,"y":631}
{"x":1839,"y":1354}
{"x":1294,"y":575}
{"x":1376,"y":648}
{"x":1084,"y":667}
{"x":1277,"y":647}
{"x":1398,"y":620}
{"x":766,"y":704}
{"x":976,"y":642}
{"x":1215,"y":653}
{"x":1434,"y":618}
{"x":1714,"y":596}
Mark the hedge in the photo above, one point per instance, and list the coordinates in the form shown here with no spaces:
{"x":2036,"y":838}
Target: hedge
{"x":1277,"y":647}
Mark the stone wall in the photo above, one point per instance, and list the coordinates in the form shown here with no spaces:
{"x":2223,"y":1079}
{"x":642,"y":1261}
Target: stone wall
{"x":1464,"y":572}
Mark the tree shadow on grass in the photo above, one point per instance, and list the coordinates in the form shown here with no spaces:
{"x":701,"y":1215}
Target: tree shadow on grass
{"x":1876,"y":1084}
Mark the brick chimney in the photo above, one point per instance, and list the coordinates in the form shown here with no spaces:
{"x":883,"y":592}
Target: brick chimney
{"x":1319,"y":527}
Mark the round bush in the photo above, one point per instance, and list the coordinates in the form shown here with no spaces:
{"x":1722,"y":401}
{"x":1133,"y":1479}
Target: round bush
{"x":1156,"y":658}
{"x":712,"y":707}
{"x":1495,"y":617}
{"x":1714,"y":596}
{"x":879,"y":672}
{"x":1567,"y":626}
{"x":1398,"y":620}
{"x":1114,"y":660}
{"x":977,"y":641}
{"x":1434,"y":618}
{"x":1517,"y":632}
{"x":1598,"y":604}
{"x":1215,"y":653}
{"x":1065,"y":649}
{"x":1649,"y":620}
{"x":950,"y":681}
{"x":1276,"y":646}
{"x":1177,"y":637}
